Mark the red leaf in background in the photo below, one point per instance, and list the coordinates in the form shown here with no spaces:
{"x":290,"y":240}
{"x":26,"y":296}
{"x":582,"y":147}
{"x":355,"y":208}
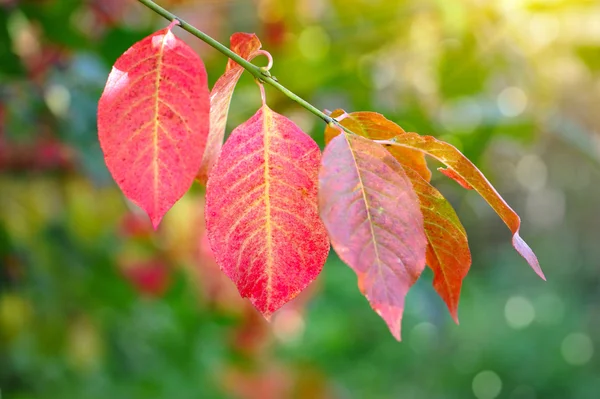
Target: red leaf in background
{"x":153,"y":121}
{"x":460,"y":166}
{"x":246,"y":45}
{"x":135,"y":225}
{"x":262,"y":212}
{"x":448,"y":252}
{"x":373,"y":218}
{"x":150,"y":277}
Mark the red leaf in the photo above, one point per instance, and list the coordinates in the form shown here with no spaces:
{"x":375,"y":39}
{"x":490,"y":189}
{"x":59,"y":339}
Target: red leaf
{"x":372,"y":215}
{"x":448,"y":252}
{"x":150,"y":277}
{"x":459,"y":165}
{"x":247,"y":46}
{"x":261,"y":210}
{"x":153,"y":121}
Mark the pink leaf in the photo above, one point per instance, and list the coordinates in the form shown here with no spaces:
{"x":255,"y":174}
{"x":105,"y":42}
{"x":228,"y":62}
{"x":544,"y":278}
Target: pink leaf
{"x":153,"y":120}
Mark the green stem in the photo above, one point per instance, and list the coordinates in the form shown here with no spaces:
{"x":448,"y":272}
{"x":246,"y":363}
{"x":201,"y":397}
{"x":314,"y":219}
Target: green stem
{"x":256,"y":71}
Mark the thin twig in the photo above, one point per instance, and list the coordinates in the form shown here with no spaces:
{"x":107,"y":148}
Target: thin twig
{"x":261,"y":74}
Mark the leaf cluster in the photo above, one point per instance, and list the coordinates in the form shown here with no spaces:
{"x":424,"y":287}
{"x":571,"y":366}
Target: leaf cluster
{"x":274,"y":202}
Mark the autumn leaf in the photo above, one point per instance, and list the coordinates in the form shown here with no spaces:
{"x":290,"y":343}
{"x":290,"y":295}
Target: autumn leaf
{"x":461,"y":169}
{"x":262,"y":213}
{"x":448,"y":252}
{"x":149,"y":277}
{"x":153,"y":121}
{"x":246,"y":45}
{"x":375,"y":126}
{"x":372,"y":215}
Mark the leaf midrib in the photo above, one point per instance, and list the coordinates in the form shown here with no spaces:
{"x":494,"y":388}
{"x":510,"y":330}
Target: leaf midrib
{"x":267,"y":120}
{"x":156,"y":122}
{"x":367,"y":207}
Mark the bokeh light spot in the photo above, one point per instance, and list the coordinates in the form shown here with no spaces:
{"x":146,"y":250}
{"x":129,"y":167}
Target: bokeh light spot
{"x":423,"y":336}
{"x":58,"y":99}
{"x":512,"y":101}
{"x":288,"y":325}
{"x":577,"y":349}
{"x":532,"y":172}
{"x":314,"y":43}
{"x":487,"y":385}
{"x":546,"y":208}
{"x":519,"y":312}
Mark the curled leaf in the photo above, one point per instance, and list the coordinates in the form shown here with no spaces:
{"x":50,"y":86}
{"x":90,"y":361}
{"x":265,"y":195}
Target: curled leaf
{"x":246,"y":45}
{"x":460,"y":166}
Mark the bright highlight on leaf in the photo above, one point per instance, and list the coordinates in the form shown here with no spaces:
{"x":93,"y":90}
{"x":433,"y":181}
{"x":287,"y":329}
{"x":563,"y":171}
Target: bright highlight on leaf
{"x":372,"y":215}
{"x":468,"y":174}
{"x":246,"y":45}
{"x":153,"y":120}
{"x":262,"y":213}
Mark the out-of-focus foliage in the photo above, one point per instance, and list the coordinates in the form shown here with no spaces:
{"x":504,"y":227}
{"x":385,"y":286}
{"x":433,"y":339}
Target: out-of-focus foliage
{"x":95,"y":305}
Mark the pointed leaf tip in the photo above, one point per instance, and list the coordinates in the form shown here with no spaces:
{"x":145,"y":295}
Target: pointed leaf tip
{"x":155,"y":222}
{"x":526,"y":252}
{"x":460,"y":166}
{"x":360,"y":187}
{"x":393,"y":318}
{"x":448,"y":252}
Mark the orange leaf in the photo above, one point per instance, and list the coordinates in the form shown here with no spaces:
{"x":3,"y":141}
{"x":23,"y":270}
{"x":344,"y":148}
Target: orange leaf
{"x":459,"y":165}
{"x":448,"y":252}
{"x":372,"y":215}
{"x":262,"y":213}
{"x":375,"y":126}
{"x":247,"y":46}
{"x":153,"y":121}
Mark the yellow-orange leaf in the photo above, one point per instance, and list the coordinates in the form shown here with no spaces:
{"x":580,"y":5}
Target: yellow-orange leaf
{"x":375,"y":126}
{"x":448,"y":252}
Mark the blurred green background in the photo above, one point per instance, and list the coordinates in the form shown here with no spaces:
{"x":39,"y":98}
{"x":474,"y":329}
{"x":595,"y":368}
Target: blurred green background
{"x":93,"y":304}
